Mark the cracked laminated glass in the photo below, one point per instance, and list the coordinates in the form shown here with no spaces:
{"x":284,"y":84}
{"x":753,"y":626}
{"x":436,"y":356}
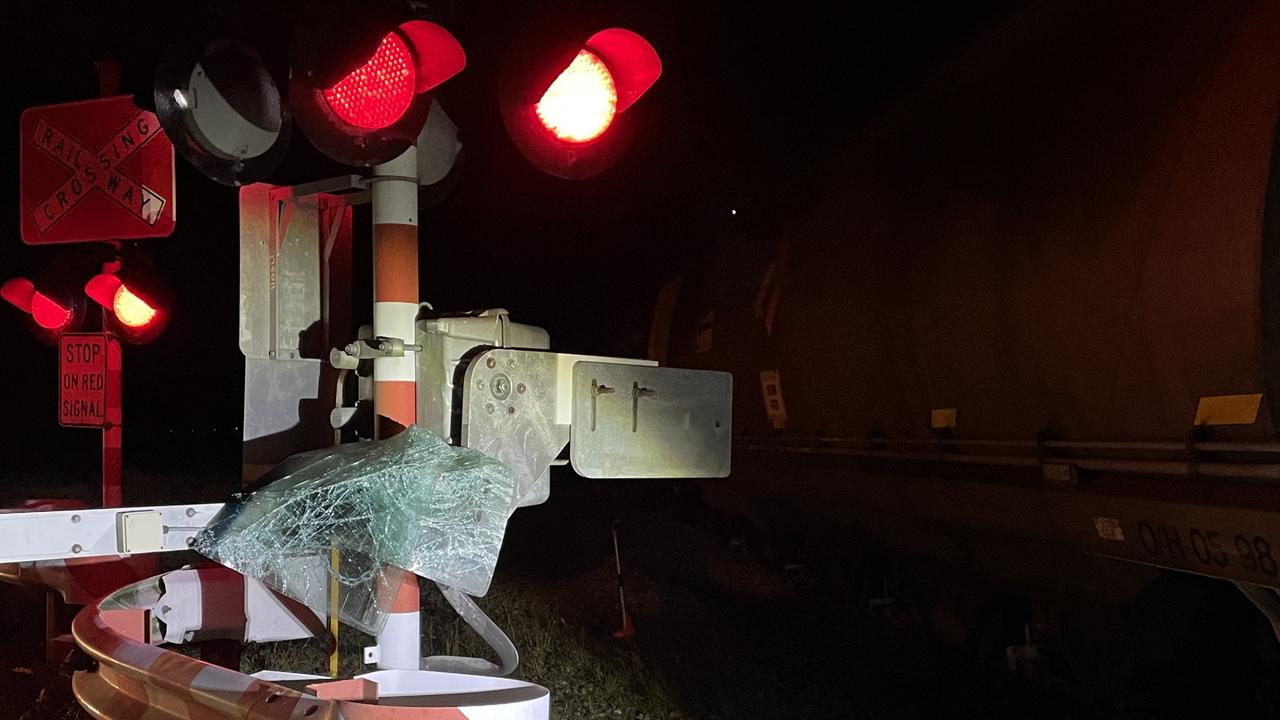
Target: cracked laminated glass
{"x":410,"y":502}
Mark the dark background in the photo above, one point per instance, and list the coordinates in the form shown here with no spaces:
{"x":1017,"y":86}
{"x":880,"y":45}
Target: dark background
{"x":749,"y":98}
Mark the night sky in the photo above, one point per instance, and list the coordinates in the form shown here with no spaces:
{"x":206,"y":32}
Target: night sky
{"x":748,"y":100}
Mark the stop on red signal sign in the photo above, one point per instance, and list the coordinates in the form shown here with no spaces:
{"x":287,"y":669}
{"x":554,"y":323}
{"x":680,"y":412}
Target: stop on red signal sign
{"x":94,"y":170}
{"x":88,"y":380}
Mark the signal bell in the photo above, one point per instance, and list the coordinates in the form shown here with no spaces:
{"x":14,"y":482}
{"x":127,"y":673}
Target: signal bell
{"x":566,"y":118}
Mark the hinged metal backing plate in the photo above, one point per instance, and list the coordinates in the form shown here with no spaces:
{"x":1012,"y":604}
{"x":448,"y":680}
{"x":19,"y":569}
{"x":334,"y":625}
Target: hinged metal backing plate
{"x":508,"y":413}
{"x":633,"y":421}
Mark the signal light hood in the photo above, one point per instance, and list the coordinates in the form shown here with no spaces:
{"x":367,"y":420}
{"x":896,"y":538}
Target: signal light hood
{"x":18,"y":292}
{"x":631,"y":60}
{"x":437,"y":54}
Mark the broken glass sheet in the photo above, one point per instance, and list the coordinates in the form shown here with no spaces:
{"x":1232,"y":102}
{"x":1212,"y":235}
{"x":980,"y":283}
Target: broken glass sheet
{"x":410,"y":502}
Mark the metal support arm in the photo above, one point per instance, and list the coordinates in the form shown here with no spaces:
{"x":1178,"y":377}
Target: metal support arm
{"x":99,"y":532}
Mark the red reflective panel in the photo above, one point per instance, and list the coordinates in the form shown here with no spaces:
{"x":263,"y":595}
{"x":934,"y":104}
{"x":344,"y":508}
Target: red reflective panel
{"x":379,"y":92}
{"x":131,"y":310}
{"x":47,"y":313}
{"x":580,"y":105}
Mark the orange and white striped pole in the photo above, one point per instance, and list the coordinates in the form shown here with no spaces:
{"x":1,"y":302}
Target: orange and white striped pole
{"x":395,"y":397}
{"x":395,"y":289}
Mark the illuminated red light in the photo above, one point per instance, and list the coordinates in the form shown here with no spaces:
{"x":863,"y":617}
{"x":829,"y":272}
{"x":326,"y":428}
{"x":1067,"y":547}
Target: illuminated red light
{"x":111,"y":293}
{"x":378,"y":93}
{"x":582,"y":102}
{"x":49,"y":314}
{"x":131,"y":310}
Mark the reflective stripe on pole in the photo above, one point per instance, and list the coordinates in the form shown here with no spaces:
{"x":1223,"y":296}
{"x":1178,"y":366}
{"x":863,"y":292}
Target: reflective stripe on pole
{"x":395,"y":398}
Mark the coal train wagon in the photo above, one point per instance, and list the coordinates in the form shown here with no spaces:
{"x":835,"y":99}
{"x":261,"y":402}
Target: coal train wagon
{"x":1027,"y":322}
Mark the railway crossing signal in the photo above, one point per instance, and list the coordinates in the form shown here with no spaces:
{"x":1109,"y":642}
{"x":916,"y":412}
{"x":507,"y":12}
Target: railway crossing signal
{"x":566,"y":116}
{"x":48,"y":314}
{"x":371,"y":112}
{"x":131,"y":316}
{"x":358,"y":82}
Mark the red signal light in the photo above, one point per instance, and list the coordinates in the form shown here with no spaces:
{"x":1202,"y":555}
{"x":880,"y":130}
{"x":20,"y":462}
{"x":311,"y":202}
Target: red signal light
{"x":363,"y":105}
{"x":563,"y":102}
{"x":379,"y":92}
{"x":140,"y":320}
{"x":131,"y":310}
{"x":582,"y":101}
{"x":47,"y":312}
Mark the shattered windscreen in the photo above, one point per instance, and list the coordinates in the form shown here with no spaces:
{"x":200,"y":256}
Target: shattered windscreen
{"x":410,"y":502}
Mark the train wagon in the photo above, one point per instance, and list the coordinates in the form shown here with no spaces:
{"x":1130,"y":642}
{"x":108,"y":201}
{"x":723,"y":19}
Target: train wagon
{"x":1027,"y":322}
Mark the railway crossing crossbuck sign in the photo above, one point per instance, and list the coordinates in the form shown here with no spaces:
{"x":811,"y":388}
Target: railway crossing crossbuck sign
{"x":94,"y":170}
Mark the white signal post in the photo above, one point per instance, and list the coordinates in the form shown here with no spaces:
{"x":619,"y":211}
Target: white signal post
{"x":395,"y":309}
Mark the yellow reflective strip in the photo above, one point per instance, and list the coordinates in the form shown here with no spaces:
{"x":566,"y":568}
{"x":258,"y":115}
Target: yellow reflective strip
{"x":333,"y":611}
{"x":942,"y":418}
{"x":1228,"y":409}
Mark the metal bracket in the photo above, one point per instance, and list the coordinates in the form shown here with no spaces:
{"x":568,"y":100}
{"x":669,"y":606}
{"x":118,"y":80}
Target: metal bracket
{"x":509,"y":413}
{"x":367,"y":349}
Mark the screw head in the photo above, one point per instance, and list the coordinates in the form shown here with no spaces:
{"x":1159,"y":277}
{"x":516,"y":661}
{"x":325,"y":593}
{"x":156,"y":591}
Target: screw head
{"x":75,"y":519}
{"x":501,"y":386}
{"x":511,"y":409}
{"x":490,"y":362}
{"x":191,"y":512}
{"x":480,"y":384}
{"x":76,"y":548}
{"x":520,"y":388}
{"x":488,"y":407}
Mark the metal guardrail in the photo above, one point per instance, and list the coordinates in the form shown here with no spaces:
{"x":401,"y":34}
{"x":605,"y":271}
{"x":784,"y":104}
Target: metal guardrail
{"x":949,"y":451}
{"x":134,"y":680}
